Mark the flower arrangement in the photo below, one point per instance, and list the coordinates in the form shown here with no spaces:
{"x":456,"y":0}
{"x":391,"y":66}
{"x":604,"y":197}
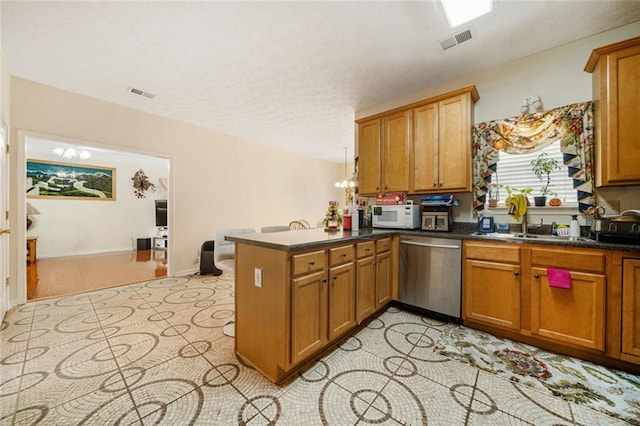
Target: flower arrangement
{"x":333,"y":218}
{"x":141,"y":184}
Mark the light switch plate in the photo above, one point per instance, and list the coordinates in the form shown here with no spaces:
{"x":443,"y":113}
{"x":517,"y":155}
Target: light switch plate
{"x":257,"y":277}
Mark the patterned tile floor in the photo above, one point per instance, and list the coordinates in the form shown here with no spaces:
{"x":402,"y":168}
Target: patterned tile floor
{"x":154,"y":353}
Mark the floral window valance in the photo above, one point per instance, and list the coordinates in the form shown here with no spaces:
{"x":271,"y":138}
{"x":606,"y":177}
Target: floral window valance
{"x":571,"y":124}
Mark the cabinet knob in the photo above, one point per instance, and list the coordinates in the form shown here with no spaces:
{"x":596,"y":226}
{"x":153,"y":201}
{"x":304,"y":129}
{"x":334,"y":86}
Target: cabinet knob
{"x":335,"y":277}
{"x":344,"y":255}
{"x":312,"y":262}
{"x":536,"y":276}
{"x":324,"y":281}
{"x":435,"y":184}
{"x":516,"y":273}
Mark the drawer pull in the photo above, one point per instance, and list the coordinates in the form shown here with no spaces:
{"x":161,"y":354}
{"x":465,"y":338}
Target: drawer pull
{"x":516,"y":273}
{"x":312,"y":262}
{"x":536,"y":276}
{"x":324,"y":281}
{"x":343,"y":255}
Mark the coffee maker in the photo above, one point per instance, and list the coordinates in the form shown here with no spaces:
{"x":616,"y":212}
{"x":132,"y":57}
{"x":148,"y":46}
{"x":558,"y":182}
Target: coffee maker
{"x":437,"y":214}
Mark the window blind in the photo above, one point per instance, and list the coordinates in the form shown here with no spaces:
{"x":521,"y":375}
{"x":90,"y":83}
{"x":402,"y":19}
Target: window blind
{"x":515,"y":171}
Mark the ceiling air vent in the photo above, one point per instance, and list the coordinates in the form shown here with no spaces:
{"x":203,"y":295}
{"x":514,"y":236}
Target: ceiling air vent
{"x":141,"y":92}
{"x":455,"y":40}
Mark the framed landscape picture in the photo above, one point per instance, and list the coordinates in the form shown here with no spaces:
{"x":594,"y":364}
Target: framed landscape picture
{"x":48,"y":179}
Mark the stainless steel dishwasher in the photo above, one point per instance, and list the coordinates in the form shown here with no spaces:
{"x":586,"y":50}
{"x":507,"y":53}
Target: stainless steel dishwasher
{"x":430,"y":275}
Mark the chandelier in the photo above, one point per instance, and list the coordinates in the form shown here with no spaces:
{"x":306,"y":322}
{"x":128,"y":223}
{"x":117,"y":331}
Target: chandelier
{"x":346,"y":182}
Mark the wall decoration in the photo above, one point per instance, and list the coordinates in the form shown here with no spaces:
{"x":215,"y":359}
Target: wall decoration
{"x":48,"y":179}
{"x":141,"y":184}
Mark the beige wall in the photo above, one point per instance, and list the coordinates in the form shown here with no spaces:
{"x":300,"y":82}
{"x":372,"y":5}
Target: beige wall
{"x":219,"y":181}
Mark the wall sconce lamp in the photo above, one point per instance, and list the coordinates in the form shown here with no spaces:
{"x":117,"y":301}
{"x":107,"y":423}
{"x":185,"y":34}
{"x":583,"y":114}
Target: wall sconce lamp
{"x":531,"y":101}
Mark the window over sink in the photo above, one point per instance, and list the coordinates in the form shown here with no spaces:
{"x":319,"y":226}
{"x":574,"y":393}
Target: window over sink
{"x":515,"y":170}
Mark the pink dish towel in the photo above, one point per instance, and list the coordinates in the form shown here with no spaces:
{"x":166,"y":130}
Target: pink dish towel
{"x":560,"y":278}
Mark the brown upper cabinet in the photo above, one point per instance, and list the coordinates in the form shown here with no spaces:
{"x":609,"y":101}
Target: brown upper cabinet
{"x":616,"y":89}
{"x":424,"y":147}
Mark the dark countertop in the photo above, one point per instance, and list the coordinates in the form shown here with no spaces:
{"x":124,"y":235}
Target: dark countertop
{"x":305,"y":239}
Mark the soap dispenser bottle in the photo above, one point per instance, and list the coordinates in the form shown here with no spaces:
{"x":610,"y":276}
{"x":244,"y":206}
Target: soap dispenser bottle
{"x":574,"y":227}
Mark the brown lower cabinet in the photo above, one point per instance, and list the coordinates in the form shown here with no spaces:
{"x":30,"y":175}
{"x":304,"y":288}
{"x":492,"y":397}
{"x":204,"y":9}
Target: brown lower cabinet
{"x":307,"y":301}
{"x":507,"y":291}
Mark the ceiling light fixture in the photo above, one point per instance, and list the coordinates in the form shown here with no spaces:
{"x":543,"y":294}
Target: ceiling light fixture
{"x":460,"y":11}
{"x":346,"y":182}
{"x":71,"y":153}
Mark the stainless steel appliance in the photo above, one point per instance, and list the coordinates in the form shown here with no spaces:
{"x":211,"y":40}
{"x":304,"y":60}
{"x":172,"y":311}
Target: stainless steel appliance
{"x":436,"y":212}
{"x":622,"y":229}
{"x":405,"y":216}
{"x":430,"y":275}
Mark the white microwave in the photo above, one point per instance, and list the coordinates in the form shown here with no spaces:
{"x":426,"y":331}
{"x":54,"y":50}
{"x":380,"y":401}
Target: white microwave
{"x":405,"y":216}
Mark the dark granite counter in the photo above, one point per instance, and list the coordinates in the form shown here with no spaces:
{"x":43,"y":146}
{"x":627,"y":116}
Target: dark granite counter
{"x":304,"y":239}
{"x":316,"y":237}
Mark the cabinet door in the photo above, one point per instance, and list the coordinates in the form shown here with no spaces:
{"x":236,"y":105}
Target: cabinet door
{"x":618,"y":152}
{"x":631,"y":307}
{"x":575,"y":315}
{"x":424,"y":150}
{"x":369,"y":157}
{"x":342,"y":308}
{"x":308,"y":315}
{"x":395,"y":152}
{"x":383,"y":279}
{"x":492,"y":293}
{"x":454,"y":141}
{"x":365,"y":288}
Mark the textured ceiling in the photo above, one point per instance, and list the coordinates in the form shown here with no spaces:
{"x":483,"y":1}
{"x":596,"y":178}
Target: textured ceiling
{"x":290,"y":74}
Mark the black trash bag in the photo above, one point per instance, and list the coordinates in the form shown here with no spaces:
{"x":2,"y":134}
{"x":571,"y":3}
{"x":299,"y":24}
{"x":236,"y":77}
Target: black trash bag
{"x":207,"y":263}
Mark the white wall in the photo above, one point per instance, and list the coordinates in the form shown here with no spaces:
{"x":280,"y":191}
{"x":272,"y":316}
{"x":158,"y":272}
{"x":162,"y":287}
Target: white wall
{"x":218,"y":181}
{"x":69,"y":227}
{"x":556,"y":75}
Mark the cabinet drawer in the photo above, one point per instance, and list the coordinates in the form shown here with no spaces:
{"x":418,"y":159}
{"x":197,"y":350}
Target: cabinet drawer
{"x":365,"y":249}
{"x":492,"y":251}
{"x":340,"y":255}
{"x":568,"y":259}
{"x":308,"y":262}
{"x":383,"y":244}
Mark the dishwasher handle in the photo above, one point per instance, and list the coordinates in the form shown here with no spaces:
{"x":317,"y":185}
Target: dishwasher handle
{"x":421,"y":244}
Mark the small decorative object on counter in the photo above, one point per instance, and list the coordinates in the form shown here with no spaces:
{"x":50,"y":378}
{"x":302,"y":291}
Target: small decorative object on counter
{"x":369,"y":217}
{"x":333,"y":219}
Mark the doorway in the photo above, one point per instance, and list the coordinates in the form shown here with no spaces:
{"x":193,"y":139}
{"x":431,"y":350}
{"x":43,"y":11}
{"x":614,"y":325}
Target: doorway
{"x":87,"y":224}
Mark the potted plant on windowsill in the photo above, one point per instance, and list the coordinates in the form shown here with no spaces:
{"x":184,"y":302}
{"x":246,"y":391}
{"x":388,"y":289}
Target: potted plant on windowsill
{"x":542,"y":166}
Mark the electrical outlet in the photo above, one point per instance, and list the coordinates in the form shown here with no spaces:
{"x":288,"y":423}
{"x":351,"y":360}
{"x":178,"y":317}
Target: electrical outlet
{"x":257,"y":277}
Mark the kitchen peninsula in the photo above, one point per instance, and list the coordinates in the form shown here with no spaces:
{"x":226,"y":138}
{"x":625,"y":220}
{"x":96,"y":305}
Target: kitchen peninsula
{"x":298,"y":292}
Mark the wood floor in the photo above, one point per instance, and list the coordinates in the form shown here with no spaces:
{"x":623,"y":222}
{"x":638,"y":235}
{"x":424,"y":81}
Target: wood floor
{"x":58,"y":276}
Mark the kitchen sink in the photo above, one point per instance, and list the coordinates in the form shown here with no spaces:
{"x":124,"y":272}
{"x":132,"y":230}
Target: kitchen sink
{"x":532,"y":237}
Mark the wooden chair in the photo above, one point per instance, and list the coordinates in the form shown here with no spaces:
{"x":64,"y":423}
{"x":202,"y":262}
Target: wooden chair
{"x":299,"y":224}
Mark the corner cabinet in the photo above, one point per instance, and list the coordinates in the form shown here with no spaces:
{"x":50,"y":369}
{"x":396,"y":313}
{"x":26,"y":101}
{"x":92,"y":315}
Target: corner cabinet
{"x":616,"y":85}
{"x":421,"y":147}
